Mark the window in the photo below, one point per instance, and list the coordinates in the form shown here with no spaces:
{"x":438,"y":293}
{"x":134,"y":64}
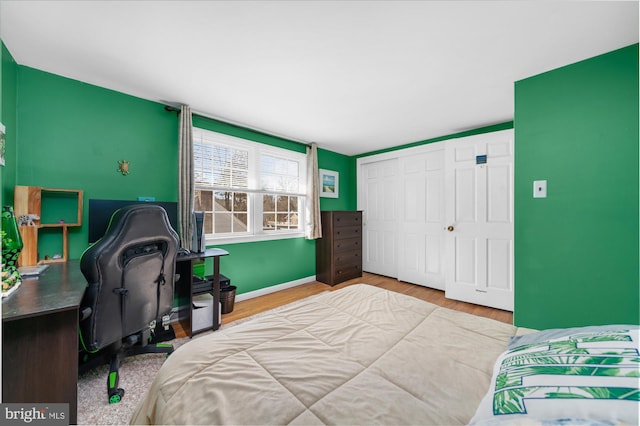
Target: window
{"x":247,"y":190}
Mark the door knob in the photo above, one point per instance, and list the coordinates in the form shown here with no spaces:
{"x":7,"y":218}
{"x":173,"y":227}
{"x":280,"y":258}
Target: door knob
{"x":450,"y":228}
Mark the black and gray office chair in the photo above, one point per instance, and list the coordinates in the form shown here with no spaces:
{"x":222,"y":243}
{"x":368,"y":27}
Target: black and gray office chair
{"x":130,"y":275}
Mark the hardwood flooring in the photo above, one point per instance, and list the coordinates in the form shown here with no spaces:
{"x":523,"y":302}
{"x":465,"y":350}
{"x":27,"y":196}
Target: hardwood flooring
{"x":260,"y":304}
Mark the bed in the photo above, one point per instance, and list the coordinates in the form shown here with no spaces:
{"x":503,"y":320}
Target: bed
{"x":358,"y":355}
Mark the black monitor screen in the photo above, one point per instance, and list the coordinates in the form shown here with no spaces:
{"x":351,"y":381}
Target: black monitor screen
{"x":100,"y":212}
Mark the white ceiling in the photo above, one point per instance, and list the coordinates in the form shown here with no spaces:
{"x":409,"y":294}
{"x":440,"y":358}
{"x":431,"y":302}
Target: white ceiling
{"x":353,"y":76}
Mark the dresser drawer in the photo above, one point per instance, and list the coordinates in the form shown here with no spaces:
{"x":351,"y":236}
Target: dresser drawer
{"x":347,"y":244}
{"x":347,"y":218}
{"x":347,"y":272}
{"x":347,"y":232}
{"x":348,"y":258}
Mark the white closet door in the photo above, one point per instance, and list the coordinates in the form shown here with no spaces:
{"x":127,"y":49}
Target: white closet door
{"x":379,"y":217}
{"x":479,"y":219}
{"x":421,"y":228}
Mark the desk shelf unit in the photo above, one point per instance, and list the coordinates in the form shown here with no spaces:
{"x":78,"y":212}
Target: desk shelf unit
{"x":29,"y":200}
{"x":185,"y":290}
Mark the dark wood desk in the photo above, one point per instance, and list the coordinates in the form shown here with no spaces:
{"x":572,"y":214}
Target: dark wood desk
{"x":40,"y":338}
{"x":184,"y":287}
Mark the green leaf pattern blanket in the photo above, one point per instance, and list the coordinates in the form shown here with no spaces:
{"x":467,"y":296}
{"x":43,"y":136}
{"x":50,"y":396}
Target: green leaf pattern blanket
{"x":585,"y":365}
{"x":582,"y":373}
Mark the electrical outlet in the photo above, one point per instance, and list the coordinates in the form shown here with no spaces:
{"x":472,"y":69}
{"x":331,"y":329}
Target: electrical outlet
{"x":539,"y":189}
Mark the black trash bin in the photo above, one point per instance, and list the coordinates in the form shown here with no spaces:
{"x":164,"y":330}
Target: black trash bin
{"x":227,"y":298}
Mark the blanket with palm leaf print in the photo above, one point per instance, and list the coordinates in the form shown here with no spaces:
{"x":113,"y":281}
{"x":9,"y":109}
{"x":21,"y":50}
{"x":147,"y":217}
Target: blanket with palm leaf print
{"x":581,"y":373}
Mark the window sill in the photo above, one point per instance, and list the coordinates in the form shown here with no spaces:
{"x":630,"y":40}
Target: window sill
{"x":211,"y":241}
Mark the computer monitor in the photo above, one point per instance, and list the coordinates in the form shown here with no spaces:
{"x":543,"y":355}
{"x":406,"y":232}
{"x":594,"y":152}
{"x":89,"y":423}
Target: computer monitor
{"x":100,"y":212}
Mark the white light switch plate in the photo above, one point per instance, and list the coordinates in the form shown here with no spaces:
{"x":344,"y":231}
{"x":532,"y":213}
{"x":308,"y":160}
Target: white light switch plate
{"x":539,"y":189}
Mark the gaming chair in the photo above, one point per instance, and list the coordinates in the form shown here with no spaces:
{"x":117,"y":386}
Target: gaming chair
{"x":130,"y":275}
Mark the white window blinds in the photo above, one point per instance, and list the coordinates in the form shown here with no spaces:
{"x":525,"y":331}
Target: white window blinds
{"x":247,"y":190}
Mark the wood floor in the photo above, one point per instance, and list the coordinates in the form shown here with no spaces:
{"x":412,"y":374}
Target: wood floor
{"x":256,"y":305}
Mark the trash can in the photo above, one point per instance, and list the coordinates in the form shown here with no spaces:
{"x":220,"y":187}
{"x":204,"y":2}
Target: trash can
{"x":227,"y":298}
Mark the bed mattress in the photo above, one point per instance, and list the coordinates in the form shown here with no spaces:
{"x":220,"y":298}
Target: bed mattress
{"x":358,"y":355}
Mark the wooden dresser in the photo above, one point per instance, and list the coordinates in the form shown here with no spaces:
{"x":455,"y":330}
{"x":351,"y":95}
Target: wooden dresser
{"x":339,"y":251}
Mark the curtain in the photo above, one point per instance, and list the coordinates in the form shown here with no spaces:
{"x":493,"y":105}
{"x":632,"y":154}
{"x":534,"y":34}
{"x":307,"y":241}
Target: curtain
{"x":314,"y":228}
{"x":185,"y":179}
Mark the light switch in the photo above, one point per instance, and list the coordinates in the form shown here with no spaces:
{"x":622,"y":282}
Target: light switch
{"x":539,"y":189}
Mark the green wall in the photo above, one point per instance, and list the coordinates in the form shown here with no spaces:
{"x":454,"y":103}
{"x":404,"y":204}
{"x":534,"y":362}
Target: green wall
{"x":576,"y":252}
{"x":8,"y":104}
{"x":72,"y":135}
{"x":347,"y":186}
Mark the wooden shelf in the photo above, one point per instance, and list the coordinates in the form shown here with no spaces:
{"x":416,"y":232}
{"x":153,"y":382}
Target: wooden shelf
{"x":29,"y":200}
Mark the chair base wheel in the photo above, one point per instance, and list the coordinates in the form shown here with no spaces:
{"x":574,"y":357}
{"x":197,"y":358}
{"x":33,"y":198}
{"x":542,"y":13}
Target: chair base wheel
{"x":116,"y":396}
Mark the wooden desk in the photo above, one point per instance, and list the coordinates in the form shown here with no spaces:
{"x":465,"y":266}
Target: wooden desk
{"x":40,"y":338}
{"x":184,"y":287}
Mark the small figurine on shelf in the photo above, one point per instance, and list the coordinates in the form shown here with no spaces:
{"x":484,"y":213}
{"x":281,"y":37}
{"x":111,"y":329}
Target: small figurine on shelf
{"x":27,"y":219}
{"x":11,"y":247}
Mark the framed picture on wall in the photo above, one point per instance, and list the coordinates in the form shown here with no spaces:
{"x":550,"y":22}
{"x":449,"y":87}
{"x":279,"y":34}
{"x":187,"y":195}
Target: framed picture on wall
{"x":328,"y":184}
{"x":2,"y":143}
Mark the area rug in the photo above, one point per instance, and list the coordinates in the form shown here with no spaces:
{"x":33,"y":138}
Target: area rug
{"x":136,"y":375}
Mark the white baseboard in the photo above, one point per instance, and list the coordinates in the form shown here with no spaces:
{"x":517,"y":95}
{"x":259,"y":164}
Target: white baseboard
{"x":273,"y":288}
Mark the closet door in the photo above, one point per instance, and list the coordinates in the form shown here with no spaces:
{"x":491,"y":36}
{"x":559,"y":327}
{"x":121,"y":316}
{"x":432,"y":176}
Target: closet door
{"x":479,"y":219}
{"x":379,"y":217}
{"x":421,"y":227}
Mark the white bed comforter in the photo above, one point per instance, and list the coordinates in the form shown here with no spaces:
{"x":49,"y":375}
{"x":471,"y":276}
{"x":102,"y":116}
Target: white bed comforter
{"x":359,"y":355}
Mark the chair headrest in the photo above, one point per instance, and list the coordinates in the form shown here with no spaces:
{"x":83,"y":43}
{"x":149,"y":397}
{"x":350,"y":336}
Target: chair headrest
{"x":131,"y":226}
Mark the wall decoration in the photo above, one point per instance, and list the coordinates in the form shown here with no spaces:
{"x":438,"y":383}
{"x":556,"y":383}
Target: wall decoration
{"x":123,"y":167}
{"x":2,"y":143}
{"x":328,"y":184}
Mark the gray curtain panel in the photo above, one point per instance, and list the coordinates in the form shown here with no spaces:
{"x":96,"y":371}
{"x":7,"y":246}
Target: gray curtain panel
{"x":314,"y":227}
{"x":185,"y":178}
